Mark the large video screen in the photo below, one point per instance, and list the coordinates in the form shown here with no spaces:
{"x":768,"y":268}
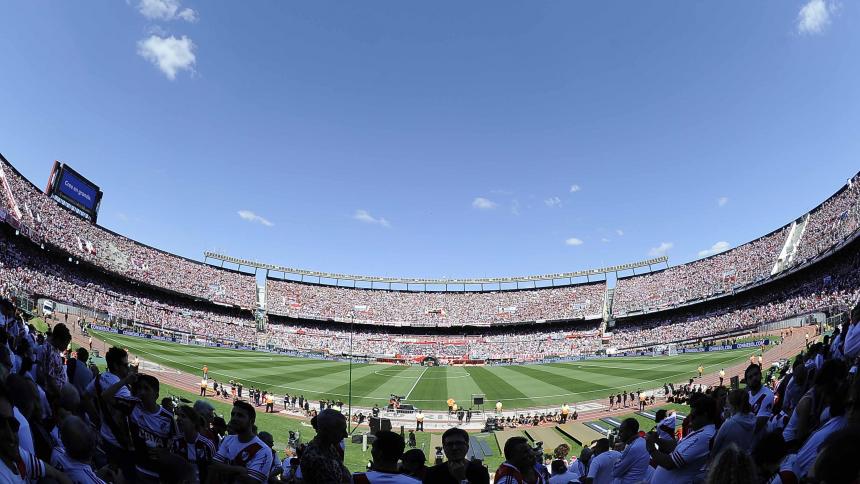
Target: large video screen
{"x":77,"y":190}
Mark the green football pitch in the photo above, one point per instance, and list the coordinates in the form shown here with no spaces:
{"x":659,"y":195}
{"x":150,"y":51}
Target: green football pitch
{"x":517,"y":386}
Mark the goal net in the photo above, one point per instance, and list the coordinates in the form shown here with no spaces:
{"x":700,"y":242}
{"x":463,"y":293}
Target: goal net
{"x":670,"y":349}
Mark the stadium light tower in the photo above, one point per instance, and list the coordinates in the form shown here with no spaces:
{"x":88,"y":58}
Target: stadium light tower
{"x":355,"y":309}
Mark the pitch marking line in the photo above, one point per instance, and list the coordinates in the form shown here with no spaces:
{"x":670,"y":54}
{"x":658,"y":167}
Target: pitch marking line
{"x":416,"y":383}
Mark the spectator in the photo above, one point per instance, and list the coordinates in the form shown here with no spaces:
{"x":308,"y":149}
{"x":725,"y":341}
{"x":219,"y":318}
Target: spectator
{"x":602,"y":464}
{"x":732,"y":465}
{"x":685,"y":463}
{"x":632,"y":466}
{"x":519,"y":465}
{"x":242,"y":455}
{"x":457,"y":469}
{"x":414,"y":464}
{"x":74,"y":456}
{"x":322,"y":461}
{"x":387,"y":450}
{"x":152,"y":428}
{"x":739,"y":428}
{"x":192,"y":445}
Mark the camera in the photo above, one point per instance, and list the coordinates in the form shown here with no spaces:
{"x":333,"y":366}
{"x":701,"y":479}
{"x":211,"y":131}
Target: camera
{"x":612,"y":436}
{"x":538,"y":451}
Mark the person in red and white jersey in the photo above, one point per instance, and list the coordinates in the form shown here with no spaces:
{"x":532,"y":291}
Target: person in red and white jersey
{"x":387,"y":449}
{"x":242,"y":456}
{"x":519,"y":466}
{"x":761,"y":397}
{"x":152,"y":428}
{"x":192,"y":445}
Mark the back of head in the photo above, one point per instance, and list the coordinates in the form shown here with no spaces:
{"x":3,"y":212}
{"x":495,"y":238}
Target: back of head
{"x":388,"y":447}
{"x":732,"y":466}
{"x":511,"y":447}
{"x":600,"y":446}
{"x":837,"y":457}
{"x":61,"y":335}
{"x":77,"y":438}
{"x":705,"y":407}
{"x":630,"y":425}
{"x":114,"y":357}
{"x":204,"y":408}
{"x":739,"y":400}
{"x":558,"y":467}
{"x":660,"y":415}
{"x":770,"y":449}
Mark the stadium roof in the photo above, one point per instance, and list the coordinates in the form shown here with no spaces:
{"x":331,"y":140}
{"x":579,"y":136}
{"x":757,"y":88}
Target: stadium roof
{"x":419,"y":280}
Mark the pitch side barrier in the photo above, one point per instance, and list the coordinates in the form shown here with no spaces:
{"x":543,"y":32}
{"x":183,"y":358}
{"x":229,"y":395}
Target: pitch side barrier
{"x":232,"y":346}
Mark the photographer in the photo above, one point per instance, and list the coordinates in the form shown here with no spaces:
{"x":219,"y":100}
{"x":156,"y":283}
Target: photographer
{"x":455,"y":443}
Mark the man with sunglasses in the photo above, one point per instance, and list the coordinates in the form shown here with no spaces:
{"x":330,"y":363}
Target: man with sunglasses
{"x":457,"y":469}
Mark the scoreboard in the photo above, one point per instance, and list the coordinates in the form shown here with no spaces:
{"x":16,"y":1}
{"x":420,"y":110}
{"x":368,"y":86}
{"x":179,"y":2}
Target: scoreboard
{"x":73,"y":190}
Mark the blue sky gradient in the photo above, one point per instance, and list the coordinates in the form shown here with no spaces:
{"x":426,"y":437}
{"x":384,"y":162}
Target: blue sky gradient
{"x":360,"y":135}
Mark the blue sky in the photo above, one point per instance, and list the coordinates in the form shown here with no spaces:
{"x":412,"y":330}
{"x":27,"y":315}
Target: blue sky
{"x":438,"y":139}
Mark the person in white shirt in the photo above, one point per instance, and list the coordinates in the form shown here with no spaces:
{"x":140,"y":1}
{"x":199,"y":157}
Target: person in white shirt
{"x":242,"y":455}
{"x":73,"y":458}
{"x":602,"y":464}
{"x":387,"y":449}
{"x":685,"y":464}
{"x":16,"y":464}
{"x":562,"y":474}
{"x":761,"y":397}
{"x":632,"y":466}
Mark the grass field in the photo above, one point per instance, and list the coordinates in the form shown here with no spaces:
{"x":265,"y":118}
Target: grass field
{"x":520,"y":386}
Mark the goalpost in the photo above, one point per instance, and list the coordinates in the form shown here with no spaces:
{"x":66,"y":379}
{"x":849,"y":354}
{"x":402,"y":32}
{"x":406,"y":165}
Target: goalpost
{"x":670,"y":349}
{"x":183,"y":338}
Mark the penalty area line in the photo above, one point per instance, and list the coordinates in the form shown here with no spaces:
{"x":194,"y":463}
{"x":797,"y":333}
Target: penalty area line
{"x":416,"y":383}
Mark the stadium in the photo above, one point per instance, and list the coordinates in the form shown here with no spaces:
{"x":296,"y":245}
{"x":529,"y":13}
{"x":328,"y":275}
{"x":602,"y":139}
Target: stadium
{"x":429,"y":243}
{"x":510,"y":352}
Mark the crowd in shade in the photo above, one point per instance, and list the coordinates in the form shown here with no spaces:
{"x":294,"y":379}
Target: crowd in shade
{"x":67,"y":421}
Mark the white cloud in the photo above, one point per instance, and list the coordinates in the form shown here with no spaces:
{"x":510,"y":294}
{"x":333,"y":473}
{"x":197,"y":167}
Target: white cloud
{"x":814,"y":16}
{"x":253,"y":217}
{"x":515,"y":207}
{"x":573,"y":241}
{"x":482,"y":203}
{"x":168,"y":53}
{"x":661,"y":249}
{"x":553,"y":202}
{"x":715,"y":249}
{"x":619,"y":232}
{"x":575,"y":188}
{"x":722,"y":201}
{"x":366,"y":217}
{"x":122,"y":216}
{"x":165,"y":10}
{"x":604,"y":240}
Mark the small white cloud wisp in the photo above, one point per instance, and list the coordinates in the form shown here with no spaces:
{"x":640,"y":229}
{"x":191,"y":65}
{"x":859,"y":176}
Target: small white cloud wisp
{"x":254,"y":218}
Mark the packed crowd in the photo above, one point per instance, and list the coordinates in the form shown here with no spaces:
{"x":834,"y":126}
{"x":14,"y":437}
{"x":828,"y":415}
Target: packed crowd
{"x":54,"y":225}
{"x":793,"y":423}
{"x":435,"y":308}
{"x":32,"y":271}
{"x":48,"y":223}
{"x":66,"y":421}
{"x":834,"y":221}
{"x":700,"y":279}
{"x":833,"y":284}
